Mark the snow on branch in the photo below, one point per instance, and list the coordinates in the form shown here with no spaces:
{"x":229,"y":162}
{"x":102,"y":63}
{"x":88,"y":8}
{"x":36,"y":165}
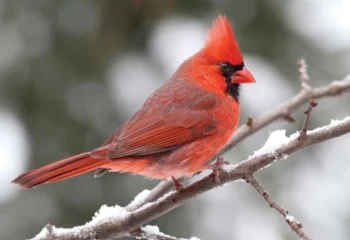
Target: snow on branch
{"x":153,"y":233}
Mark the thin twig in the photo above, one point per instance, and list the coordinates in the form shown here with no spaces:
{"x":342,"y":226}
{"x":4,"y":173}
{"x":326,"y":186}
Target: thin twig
{"x":294,"y":224}
{"x":49,"y":227}
{"x":249,"y":122}
{"x":289,"y":118}
{"x":303,"y":75}
{"x":307,"y":112}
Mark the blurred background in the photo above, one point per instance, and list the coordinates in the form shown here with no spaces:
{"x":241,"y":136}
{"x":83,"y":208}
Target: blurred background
{"x":71,"y":71}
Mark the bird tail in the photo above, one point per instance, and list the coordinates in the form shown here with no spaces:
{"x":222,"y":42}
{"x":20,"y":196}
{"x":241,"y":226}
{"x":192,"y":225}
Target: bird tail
{"x":63,"y":169}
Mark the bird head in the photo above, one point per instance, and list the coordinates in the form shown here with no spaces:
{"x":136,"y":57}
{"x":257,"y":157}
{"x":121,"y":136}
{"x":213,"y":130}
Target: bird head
{"x":219,"y":64}
{"x":222,"y":50}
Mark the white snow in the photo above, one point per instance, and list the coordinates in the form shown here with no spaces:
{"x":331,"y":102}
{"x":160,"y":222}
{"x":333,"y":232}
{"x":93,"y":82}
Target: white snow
{"x":42,"y":234}
{"x":276,"y":140}
{"x":292,"y":219}
{"x":140,"y":198}
{"x":332,"y":124}
{"x":228,"y":167}
{"x":150,"y":231}
{"x":147,"y":205}
{"x":105,"y":214}
{"x":337,"y":122}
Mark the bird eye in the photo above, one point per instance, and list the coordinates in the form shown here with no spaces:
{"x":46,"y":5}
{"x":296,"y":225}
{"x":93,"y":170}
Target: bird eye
{"x":224,"y":66}
{"x":229,"y":69}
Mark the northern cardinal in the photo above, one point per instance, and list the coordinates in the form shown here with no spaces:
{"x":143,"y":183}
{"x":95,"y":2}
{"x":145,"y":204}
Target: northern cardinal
{"x":179,"y":127}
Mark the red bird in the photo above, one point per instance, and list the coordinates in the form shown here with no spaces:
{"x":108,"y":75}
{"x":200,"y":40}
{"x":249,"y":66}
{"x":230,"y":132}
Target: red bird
{"x":179,"y":127}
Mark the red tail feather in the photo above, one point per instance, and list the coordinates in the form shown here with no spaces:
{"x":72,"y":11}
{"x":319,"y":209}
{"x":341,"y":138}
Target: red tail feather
{"x":62,"y":169}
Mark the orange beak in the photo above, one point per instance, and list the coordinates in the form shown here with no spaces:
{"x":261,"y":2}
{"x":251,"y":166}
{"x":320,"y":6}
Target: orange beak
{"x":242,"y":76}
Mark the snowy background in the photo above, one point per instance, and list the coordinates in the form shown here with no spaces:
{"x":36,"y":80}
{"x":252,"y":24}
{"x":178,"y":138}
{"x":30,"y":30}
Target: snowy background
{"x":72,"y":71}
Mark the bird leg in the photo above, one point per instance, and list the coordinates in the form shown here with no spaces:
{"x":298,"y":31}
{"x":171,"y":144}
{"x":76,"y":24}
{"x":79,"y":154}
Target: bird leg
{"x":178,"y":186}
{"x":216,"y":167}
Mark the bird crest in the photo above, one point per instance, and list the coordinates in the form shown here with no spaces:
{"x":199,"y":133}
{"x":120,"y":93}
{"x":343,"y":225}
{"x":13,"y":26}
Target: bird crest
{"x":221,"y":44}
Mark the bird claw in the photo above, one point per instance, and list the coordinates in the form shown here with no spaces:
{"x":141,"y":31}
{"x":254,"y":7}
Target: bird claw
{"x":178,"y":186}
{"x":216,"y":167}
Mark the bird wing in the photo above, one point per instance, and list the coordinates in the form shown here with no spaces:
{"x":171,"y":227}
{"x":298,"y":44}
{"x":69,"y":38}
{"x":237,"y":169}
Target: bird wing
{"x":115,"y":134}
{"x":177,"y":113}
{"x":162,"y":132}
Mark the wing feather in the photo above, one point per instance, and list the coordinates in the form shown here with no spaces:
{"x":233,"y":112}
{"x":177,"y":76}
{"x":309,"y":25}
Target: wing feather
{"x":161,"y":133}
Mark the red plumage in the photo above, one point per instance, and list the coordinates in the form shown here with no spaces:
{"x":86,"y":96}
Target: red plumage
{"x":178,"y":129}
{"x":221,"y":44}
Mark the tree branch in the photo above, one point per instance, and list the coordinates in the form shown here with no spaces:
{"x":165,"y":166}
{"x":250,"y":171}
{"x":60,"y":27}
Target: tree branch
{"x":124,"y":224}
{"x":294,"y":224}
{"x":307,"y":113}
